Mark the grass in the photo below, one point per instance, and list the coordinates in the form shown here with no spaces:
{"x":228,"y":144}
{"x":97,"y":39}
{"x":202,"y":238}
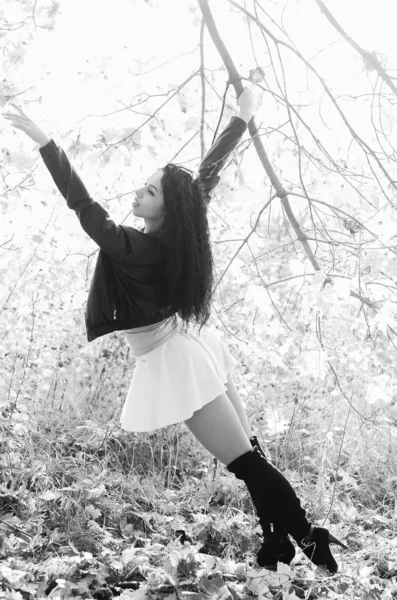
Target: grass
{"x":104,"y":513}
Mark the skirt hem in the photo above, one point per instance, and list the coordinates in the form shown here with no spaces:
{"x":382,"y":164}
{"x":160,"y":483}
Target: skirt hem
{"x":174,"y":420}
{"x":174,"y":380}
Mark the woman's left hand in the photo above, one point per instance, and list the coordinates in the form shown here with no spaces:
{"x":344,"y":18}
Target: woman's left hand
{"x":23,"y":122}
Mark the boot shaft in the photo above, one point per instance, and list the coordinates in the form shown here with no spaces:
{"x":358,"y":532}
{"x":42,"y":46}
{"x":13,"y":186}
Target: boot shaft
{"x":274,"y":498}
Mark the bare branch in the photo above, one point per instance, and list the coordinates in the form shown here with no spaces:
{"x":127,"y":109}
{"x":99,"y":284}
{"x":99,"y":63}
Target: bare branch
{"x":164,"y":63}
{"x":245,"y":240}
{"x":369,"y":58}
{"x":202,"y":77}
{"x":266,"y":286}
{"x":129,"y":136}
{"x":364,"y":146}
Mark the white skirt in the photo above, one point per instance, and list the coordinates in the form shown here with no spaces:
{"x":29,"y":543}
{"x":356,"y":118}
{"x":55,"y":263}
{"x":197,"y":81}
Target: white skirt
{"x":178,"y":370}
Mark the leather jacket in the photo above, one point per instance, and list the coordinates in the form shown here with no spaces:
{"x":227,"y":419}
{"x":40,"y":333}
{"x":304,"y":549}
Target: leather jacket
{"x":129,"y":287}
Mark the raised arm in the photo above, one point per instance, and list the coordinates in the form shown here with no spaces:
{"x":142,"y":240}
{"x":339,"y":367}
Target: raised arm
{"x":94,"y":219}
{"x":224,"y":145}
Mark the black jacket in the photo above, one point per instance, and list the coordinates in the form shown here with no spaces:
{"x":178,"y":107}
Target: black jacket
{"x":129,"y":287}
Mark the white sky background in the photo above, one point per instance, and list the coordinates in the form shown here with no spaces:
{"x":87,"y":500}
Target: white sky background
{"x":87,"y":31}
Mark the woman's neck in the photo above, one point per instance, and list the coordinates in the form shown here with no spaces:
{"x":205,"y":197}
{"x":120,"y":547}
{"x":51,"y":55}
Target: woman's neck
{"x":152,"y":225}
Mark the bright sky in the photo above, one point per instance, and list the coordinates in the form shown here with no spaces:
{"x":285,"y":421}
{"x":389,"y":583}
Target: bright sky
{"x":90,"y":64}
{"x":89,"y":37}
{"x":371,"y":24}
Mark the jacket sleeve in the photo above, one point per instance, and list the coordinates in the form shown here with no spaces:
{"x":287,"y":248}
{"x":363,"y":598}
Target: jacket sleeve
{"x":218,"y":154}
{"x":94,"y":219}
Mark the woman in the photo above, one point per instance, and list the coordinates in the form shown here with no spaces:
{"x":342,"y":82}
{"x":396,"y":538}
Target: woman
{"x":155,"y":284}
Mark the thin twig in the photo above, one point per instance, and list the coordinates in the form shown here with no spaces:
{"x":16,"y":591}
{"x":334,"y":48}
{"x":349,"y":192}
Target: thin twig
{"x":129,"y":136}
{"x":183,"y":147}
{"x":202,"y":77}
{"x":337,"y":468}
{"x":245,"y":240}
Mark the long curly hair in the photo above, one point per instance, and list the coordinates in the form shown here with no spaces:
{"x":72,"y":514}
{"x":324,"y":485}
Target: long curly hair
{"x":186,"y":234}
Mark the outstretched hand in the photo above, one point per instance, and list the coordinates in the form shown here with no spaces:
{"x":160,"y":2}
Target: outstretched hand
{"x":23,"y":122}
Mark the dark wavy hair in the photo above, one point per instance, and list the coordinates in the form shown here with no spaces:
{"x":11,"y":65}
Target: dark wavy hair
{"x":186,"y":234}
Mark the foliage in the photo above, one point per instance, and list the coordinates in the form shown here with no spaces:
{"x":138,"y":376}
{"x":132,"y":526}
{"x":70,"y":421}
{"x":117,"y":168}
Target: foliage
{"x":80,"y":519}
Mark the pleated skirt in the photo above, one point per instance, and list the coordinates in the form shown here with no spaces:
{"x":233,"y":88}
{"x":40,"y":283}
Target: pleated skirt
{"x":178,"y":370}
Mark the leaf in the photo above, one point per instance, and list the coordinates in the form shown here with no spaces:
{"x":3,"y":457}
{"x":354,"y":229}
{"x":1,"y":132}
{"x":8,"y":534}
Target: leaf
{"x":171,"y":564}
{"x":49,"y":495}
{"x":214,"y":586}
{"x":13,"y":577}
{"x":290,"y":596}
{"x":256,"y":75}
{"x":134,"y":555}
{"x":11,"y":595}
{"x":95,"y":513}
{"x":366,"y":571}
{"x":97,"y":491}
{"x":285,"y":569}
{"x":139,"y":594}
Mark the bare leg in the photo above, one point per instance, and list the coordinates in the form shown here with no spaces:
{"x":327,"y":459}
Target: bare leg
{"x":235,"y":399}
{"x":217,"y":427}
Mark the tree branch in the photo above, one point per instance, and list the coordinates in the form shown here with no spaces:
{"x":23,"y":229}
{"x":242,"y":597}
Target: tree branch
{"x":364,"y":146}
{"x":202,"y":77}
{"x":369,"y":58}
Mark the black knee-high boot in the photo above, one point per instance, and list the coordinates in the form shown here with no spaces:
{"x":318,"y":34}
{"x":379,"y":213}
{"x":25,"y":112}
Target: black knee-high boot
{"x":276,"y":546}
{"x":276,"y":502}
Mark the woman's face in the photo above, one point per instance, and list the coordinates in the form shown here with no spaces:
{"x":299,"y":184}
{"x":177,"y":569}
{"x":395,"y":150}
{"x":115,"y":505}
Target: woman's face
{"x":149,"y":199}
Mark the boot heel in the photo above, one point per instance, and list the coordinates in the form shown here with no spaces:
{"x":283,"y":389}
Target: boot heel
{"x":334,"y":540}
{"x":316,"y":547}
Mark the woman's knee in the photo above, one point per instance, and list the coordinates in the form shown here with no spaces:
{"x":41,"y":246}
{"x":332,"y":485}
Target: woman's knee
{"x":218,"y":428}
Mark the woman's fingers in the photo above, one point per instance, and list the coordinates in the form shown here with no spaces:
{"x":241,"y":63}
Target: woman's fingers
{"x":12,"y":116}
{"x":16,"y":121}
{"x":25,"y":124}
{"x":19,"y":109}
{"x":21,"y":116}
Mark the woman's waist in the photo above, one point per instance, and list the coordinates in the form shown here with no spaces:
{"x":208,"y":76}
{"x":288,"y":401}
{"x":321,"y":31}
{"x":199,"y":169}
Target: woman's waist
{"x":147,"y":338}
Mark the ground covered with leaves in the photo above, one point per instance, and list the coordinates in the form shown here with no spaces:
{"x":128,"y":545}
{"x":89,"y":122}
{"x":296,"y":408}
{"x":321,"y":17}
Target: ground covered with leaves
{"x":78,"y":521}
